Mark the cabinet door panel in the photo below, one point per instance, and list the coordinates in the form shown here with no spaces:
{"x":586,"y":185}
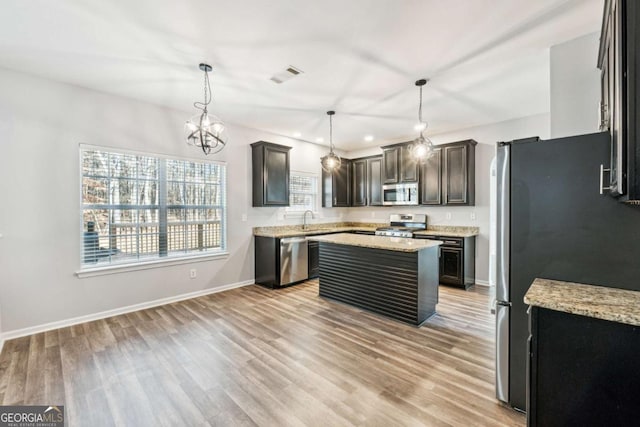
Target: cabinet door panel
{"x":276,"y":177}
{"x":431,"y":180}
{"x":359,"y":175}
{"x":456,"y":175}
{"x":451,"y":266}
{"x":390,"y":165}
{"x":342,"y":185}
{"x":314,"y":259}
{"x":408,"y":165}
{"x":374,"y":179}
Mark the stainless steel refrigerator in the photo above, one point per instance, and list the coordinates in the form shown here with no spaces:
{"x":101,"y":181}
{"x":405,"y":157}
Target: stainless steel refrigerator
{"x":553,"y":222}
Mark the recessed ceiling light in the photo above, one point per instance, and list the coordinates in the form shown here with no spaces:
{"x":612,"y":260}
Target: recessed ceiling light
{"x":297,"y":134}
{"x":368,"y":138}
{"x":420,"y":126}
{"x":320,"y":140}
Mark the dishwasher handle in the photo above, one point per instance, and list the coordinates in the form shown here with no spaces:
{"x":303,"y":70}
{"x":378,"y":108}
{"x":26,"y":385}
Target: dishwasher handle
{"x":290,"y":240}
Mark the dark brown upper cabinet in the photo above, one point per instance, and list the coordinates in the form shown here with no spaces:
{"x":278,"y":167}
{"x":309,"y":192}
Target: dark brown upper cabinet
{"x":408,"y":165}
{"x":270,"y":168}
{"x":336,"y":186}
{"x":366,"y":180}
{"x":431,"y":179}
{"x":448,"y":177}
{"x":374,"y":181}
{"x":618,"y":59}
{"x":398,"y":164}
{"x":359,"y":180}
{"x":390,"y":164}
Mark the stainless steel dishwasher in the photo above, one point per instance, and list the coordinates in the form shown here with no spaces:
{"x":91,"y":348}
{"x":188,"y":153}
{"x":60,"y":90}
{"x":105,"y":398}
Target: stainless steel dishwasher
{"x":294,"y":260}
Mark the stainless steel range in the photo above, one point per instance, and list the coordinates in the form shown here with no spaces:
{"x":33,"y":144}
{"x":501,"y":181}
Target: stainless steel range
{"x":403,"y":225}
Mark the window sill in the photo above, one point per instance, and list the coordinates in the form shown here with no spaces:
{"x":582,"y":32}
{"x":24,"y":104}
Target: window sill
{"x":158,"y":263}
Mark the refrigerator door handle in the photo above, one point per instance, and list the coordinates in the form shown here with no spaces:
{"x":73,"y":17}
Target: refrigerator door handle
{"x":502,"y":350}
{"x":503,"y":198}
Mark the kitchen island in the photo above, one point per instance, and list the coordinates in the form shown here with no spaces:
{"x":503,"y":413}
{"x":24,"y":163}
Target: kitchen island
{"x":395,"y":277}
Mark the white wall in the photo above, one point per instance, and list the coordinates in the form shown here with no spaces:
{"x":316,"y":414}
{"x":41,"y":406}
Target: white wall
{"x":41,"y":124}
{"x":575,"y":86}
{"x":486,"y":136}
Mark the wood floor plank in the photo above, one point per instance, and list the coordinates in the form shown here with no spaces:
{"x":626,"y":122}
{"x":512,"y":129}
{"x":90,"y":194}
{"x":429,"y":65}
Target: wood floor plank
{"x":259,"y":357}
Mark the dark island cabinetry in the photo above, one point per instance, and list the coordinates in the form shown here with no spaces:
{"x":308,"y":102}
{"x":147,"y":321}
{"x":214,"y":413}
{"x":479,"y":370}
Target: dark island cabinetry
{"x":270,"y":169}
{"x":399,"y":284}
{"x":448,"y":176}
{"x":582,"y":371}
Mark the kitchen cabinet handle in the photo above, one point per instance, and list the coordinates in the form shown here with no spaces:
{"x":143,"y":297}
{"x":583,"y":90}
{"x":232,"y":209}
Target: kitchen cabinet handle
{"x":602,"y":171}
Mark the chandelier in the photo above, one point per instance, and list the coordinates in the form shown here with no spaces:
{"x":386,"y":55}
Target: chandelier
{"x":331,"y":161}
{"x":205,"y":130}
{"x":422,"y":147}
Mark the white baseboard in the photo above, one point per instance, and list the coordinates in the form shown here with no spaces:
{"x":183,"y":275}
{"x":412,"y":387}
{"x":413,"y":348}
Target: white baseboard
{"x":9,"y":335}
{"x":483,"y":282}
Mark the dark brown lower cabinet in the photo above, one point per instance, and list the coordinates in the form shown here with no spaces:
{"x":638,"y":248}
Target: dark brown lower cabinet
{"x":457,"y":260}
{"x":314,"y":259}
{"x":582,"y":371}
{"x":451,"y":270}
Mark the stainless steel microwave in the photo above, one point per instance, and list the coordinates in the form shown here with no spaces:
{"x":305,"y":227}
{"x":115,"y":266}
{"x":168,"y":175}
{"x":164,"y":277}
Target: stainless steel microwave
{"x":400,"y":194}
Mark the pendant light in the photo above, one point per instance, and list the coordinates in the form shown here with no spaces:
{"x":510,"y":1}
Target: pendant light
{"x":422,"y":147}
{"x":331,"y":161}
{"x":204,"y":130}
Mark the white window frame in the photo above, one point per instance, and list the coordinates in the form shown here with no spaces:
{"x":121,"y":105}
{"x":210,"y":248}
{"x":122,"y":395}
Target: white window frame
{"x":155,"y":261}
{"x":290,"y":211}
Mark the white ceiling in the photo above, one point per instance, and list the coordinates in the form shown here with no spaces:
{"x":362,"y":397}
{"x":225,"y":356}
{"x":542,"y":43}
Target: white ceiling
{"x":488,"y":60}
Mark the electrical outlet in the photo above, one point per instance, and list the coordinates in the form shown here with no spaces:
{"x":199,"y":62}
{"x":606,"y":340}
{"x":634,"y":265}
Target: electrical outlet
{"x":244,"y":217}
{"x":448,"y":215}
{"x":193,"y":273}
{"x":373,"y":214}
{"x":473,"y":216}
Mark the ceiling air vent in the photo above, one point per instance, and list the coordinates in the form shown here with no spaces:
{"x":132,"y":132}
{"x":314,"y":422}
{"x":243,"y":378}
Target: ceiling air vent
{"x":285,"y":75}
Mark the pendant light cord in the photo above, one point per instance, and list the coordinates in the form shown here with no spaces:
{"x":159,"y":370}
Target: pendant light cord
{"x":331,"y":134}
{"x":207,"y":94}
{"x":420,"y":113}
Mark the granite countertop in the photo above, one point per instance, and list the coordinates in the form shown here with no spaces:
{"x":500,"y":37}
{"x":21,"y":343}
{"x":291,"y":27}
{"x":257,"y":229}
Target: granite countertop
{"x":400,"y":244}
{"x":343,"y":227}
{"x":313,"y":229}
{"x":449,"y":231}
{"x":616,"y":305}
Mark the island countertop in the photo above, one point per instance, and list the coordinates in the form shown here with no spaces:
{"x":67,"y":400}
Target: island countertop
{"x":400,"y":244}
{"x":616,"y":305}
{"x":344,"y":227}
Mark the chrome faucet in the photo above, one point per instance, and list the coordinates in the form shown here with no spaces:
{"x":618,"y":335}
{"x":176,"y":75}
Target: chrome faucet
{"x":304,"y":218}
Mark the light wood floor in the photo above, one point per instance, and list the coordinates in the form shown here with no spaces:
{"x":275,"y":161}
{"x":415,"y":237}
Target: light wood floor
{"x":253,"y":356}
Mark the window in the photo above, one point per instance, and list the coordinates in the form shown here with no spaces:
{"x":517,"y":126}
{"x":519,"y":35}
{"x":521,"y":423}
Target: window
{"x":141,"y":207}
{"x":303,"y":192}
